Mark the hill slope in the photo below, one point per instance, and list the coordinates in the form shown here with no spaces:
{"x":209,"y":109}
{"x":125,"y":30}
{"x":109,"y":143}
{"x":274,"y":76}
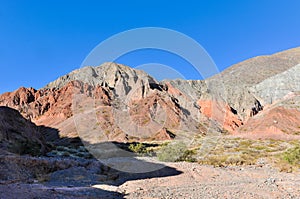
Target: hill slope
{"x":19,"y":135}
{"x":240,"y":79}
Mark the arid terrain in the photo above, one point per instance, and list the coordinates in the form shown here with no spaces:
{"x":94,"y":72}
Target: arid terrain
{"x":195,"y":181}
{"x":234,"y":135}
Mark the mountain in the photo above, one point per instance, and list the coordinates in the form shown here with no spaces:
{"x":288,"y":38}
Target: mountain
{"x":110,"y":102}
{"x":240,"y":80}
{"x":119,"y":103}
{"x":268,"y":84}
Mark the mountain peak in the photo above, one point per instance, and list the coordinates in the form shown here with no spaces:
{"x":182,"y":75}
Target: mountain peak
{"x":105,"y":74}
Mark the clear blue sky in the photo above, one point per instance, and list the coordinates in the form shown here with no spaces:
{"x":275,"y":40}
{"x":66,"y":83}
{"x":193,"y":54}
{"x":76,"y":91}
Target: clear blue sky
{"x":42,"y":40}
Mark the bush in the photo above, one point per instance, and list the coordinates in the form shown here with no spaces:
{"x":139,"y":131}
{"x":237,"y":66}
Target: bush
{"x":137,"y":148}
{"x":292,"y":156}
{"x":175,"y":152}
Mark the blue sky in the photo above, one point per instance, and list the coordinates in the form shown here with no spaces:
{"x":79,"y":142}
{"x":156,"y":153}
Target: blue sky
{"x":42,"y":40}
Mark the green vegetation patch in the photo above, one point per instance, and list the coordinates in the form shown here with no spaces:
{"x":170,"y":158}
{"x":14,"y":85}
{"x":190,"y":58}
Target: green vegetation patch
{"x":292,"y":156}
{"x":175,"y":152}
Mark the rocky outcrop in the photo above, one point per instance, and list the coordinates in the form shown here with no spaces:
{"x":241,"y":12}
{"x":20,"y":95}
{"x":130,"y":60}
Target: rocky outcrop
{"x":119,"y":78}
{"x":52,"y":107}
{"x":18,"y":135}
{"x":277,"y":87}
{"x":54,"y":171}
{"x":220,"y":112}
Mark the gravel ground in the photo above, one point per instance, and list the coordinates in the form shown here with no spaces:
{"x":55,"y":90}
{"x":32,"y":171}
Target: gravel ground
{"x":198,"y":181}
{"x":194,"y":181}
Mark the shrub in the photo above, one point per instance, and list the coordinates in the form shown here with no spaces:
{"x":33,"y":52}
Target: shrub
{"x":175,"y":152}
{"x":292,"y":156}
{"x":234,"y":160}
{"x":137,"y":148}
{"x":188,"y":156}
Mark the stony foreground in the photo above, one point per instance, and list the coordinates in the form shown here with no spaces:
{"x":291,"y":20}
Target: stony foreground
{"x":192,"y":181}
{"x":198,"y":181}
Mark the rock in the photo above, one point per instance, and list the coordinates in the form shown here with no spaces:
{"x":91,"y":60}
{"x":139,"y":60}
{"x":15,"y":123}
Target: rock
{"x":19,"y":135}
{"x":54,"y":171}
{"x":106,"y":187}
{"x":279,"y":86}
{"x":270,"y":181}
{"x":220,"y":112}
{"x":75,"y":176}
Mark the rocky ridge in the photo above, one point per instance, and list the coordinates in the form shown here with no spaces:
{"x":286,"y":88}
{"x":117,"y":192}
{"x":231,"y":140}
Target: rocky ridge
{"x":158,"y":110}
